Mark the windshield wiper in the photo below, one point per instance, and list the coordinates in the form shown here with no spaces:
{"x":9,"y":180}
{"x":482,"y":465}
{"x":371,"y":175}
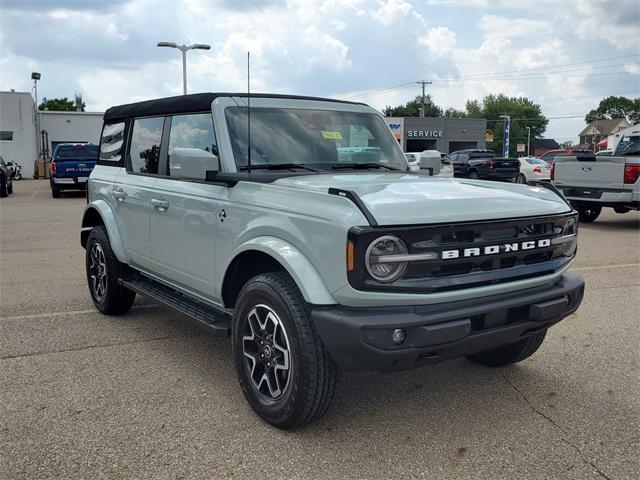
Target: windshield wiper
{"x":356,"y":166}
{"x":280,"y":166}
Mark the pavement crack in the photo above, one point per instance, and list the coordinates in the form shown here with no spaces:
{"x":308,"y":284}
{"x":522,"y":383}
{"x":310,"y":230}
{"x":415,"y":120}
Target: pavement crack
{"x":563,"y":433}
{"x":102,"y":345}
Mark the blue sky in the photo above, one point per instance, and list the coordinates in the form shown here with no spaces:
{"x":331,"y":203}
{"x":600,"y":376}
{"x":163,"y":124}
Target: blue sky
{"x":565,"y":55}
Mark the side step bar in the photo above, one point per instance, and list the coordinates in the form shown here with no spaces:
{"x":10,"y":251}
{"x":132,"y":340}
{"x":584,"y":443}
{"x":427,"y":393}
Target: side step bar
{"x":216,"y":320}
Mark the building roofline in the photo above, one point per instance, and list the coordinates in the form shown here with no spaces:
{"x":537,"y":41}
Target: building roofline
{"x":69,"y":112}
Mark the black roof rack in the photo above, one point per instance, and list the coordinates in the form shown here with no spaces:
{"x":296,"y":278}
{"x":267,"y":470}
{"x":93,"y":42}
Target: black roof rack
{"x":196,"y":102}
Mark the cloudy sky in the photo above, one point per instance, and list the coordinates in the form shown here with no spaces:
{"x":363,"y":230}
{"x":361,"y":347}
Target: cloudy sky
{"x":564,"y":54}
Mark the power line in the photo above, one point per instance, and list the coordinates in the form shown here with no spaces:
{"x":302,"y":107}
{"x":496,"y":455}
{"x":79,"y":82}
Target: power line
{"x":495,"y":75}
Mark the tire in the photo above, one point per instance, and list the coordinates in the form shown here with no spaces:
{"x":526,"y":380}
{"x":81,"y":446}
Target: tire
{"x":10,"y":188}
{"x":521,"y":179}
{"x":509,"y":354}
{"x":588,"y":214}
{"x":620,"y":209}
{"x":103,"y":271}
{"x":304,"y":390}
{"x":4,"y":192}
{"x":18,"y":176}
{"x":55,"y":191}
{"x":473,"y":175}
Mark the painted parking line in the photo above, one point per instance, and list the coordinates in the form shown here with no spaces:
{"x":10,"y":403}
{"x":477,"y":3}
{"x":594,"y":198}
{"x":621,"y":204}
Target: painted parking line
{"x":71,"y":312}
{"x":604,"y":267}
{"x":35,"y":192}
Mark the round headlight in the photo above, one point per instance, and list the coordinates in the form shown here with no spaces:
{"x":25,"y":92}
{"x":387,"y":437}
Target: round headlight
{"x":378,"y":259}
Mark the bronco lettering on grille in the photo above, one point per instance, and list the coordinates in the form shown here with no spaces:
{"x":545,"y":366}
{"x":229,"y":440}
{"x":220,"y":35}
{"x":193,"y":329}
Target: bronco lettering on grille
{"x":495,"y":249}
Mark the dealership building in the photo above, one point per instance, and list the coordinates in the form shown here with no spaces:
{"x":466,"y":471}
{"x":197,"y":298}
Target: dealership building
{"x":19,"y":127}
{"x":447,"y":135}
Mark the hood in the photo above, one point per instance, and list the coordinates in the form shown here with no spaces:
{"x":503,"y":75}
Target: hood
{"x":406,"y":199}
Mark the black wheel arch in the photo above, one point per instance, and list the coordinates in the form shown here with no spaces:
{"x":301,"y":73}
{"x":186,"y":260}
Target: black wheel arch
{"x":243,"y":268}
{"x":90,"y":219}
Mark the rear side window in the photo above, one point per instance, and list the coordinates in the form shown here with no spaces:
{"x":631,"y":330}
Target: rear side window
{"x":145,"y":145}
{"x":192,"y":146}
{"x":112,"y":142}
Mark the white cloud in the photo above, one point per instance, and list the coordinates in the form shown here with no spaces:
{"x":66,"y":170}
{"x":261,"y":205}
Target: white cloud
{"x":440,"y":41}
{"x":495,"y":26}
{"x":632,"y":68}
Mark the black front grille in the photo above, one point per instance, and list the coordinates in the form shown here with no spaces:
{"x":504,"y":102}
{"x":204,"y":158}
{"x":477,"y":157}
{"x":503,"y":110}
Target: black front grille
{"x":469,"y":269}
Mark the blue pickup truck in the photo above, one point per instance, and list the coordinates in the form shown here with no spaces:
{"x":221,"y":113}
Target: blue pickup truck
{"x":71,"y":166}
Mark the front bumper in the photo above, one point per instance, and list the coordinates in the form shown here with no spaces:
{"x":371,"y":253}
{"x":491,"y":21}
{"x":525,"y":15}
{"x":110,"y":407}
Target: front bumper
{"x":360,"y":338}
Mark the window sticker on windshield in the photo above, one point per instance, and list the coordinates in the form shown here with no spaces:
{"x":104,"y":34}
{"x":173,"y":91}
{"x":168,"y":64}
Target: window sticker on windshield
{"x":332,"y":135}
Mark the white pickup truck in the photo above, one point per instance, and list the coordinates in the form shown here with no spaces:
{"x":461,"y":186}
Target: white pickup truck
{"x":592,"y":182}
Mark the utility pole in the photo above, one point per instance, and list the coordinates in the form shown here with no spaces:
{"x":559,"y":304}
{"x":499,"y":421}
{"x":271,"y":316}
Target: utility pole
{"x":423,"y":83}
{"x":528,"y":141}
{"x":184,"y":49}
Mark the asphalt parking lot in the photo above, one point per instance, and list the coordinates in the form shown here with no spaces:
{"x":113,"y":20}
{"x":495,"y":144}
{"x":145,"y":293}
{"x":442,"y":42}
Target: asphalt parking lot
{"x":148,"y":395}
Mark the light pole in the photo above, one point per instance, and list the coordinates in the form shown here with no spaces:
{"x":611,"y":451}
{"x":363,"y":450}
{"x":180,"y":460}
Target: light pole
{"x":505,"y":139}
{"x":183,"y":49}
{"x":528,"y":141}
{"x":35,"y":76}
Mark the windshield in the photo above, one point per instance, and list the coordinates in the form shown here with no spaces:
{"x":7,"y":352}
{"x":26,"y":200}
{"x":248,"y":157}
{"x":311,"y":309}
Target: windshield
{"x":77,"y":151}
{"x":629,"y":145}
{"x":320,"y":138}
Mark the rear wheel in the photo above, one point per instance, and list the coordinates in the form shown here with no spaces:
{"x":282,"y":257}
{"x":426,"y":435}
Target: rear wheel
{"x":55,"y":191}
{"x":473,"y":175}
{"x":103,"y":272}
{"x":285,"y":372}
{"x":4,"y":192}
{"x":521,"y":179}
{"x":512,"y":353}
{"x":620,"y":209}
{"x":588,"y":213}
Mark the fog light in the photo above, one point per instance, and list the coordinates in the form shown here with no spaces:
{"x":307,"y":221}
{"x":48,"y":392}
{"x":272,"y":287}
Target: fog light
{"x":398,"y":336}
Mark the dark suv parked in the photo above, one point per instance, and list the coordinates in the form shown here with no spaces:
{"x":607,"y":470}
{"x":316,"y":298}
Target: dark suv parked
{"x":483,"y":165}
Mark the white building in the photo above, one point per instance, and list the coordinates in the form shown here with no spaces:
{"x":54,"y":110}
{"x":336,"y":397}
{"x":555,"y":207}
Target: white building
{"x":18,"y":130}
{"x":19,"y":141}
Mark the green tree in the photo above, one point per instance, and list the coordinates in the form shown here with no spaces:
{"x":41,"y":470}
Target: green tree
{"x":59,"y":105}
{"x":615,"y":107}
{"x":523,"y":112}
{"x":454,"y":113}
{"x":412,"y":109}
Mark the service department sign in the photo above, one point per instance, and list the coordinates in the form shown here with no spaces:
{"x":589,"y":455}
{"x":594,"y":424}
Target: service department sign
{"x":425,"y":134}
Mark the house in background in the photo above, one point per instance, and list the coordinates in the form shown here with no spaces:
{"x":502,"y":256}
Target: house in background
{"x":539,"y":146}
{"x":597,"y":132}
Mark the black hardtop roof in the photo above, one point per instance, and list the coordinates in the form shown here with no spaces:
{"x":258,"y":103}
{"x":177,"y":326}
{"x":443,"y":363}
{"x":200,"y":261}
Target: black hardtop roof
{"x":195,"y":102}
{"x":475,"y":150}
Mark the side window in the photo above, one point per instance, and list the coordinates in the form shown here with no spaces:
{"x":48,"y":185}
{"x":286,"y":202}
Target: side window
{"x":145,"y":144}
{"x":192,"y":146}
{"x":111,"y":142}
{"x":453,"y":157}
{"x":463,"y":157}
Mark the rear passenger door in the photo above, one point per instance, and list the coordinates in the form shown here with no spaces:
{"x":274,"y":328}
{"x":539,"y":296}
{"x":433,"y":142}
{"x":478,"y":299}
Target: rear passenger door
{"x":187,"y":211}
{"x":134,"y":189}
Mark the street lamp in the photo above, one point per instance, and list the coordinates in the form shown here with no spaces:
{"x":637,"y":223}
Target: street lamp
{"x":35,"y":76}
{"x":528,"y":141}
{"x":183,"y":49}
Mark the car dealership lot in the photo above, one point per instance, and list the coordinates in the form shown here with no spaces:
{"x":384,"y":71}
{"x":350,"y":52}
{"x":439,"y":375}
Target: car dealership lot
{"x":148,"y":395}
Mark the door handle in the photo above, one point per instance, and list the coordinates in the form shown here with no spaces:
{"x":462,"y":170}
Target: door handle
{"x":160,"y":204}
{"x":119,"y":194}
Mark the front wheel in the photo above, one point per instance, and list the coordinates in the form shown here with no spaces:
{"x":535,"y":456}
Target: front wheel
{"x":512,"y":353}
{"x":103,"y":274}
{"x":285,"y":372}
{"x":588,"y":214}
{"x":521,"y":179}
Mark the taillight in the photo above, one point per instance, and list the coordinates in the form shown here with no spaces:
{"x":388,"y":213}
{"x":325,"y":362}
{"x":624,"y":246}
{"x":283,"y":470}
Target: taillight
{"x":537,"y":170}
{"x":631,"y":172}
{"x":53,"y":167}
{"x":553,"y":170}
{"x":490,"y":164}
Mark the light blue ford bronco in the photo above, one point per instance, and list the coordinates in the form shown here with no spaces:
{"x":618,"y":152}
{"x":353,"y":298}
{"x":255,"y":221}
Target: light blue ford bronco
{"x":294,"y":226}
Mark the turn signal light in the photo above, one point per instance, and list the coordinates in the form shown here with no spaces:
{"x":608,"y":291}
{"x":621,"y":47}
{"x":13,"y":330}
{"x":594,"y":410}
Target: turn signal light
{"x":350,"y":257}
{"x":53,"y":168}
{"x":631,"y":172}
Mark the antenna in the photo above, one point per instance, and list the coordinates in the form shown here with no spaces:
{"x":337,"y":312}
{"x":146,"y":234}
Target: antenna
{"x":248,"y":116}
